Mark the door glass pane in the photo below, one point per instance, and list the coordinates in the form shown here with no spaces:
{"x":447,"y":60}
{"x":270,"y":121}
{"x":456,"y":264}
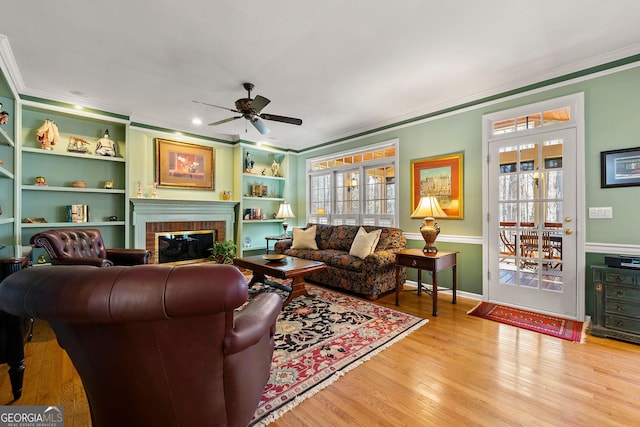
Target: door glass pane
{"x":530,"y":215}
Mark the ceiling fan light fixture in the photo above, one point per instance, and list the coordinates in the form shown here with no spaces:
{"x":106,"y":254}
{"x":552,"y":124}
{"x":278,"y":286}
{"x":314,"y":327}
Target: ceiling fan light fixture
{"x":251,"y":109}
{"x":260,"y":126}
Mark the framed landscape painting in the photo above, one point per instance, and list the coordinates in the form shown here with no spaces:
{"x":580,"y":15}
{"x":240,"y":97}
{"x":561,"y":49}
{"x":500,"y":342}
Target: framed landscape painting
{"x":182,"y":165}
{"x":441,"y":177}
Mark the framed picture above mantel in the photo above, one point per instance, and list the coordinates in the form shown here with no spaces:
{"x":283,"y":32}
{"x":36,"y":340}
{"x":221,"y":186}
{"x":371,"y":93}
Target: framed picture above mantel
{"x":182,"y":165}
{"x":442,"y":177}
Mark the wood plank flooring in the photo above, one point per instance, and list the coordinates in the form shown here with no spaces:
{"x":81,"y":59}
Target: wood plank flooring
{"x":457,"y":370}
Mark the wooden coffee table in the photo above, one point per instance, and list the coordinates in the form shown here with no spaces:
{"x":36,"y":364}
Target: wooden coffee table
{"x":287,"y":268}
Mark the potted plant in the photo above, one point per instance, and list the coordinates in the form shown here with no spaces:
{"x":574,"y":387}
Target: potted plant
{"x":223,"y":252}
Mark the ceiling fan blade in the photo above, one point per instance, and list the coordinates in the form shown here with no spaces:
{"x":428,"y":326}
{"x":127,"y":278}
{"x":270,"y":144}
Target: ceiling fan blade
{"x":283,"y":119}
{"x":219,"y":122}
{"x":217,"y":106}
{"x":259,"y":102}
{"x":259,"y":124}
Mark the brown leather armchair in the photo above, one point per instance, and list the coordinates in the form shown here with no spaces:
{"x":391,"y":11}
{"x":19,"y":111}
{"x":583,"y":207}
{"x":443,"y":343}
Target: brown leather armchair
{"x":86,"y":247}
{"x":156,"y":345}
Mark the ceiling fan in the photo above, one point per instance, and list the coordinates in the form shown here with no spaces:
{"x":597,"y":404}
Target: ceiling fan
{"x":251,"y":109}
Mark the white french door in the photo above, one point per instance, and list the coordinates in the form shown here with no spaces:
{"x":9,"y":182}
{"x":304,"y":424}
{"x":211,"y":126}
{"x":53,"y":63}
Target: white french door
{"x":532,"y":199}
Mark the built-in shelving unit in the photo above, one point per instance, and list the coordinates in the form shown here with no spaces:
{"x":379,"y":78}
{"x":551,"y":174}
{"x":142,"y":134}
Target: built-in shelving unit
{"x":62,"y":169}
{"x":7,"y":164}
{"x":261,"y":195}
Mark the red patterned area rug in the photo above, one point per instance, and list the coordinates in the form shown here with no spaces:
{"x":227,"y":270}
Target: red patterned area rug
{"x":554,"y":326}
{"x":319,"y":339}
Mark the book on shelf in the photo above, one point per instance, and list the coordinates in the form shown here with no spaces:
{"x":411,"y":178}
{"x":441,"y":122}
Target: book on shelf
{"x":78,"y":213}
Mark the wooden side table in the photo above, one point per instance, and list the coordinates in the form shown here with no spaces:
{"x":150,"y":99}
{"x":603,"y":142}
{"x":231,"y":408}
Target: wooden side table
{"x":434,"y":263}
{"x":12,"y":259}
{"x":276,"y":238}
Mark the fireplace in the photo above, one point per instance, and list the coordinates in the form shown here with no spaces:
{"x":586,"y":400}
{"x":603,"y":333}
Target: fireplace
{"x":160,"y":217}
{"x":183,"y":246}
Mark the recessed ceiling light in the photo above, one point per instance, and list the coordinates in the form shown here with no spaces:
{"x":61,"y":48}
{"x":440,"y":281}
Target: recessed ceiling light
{"x":196,"y":121}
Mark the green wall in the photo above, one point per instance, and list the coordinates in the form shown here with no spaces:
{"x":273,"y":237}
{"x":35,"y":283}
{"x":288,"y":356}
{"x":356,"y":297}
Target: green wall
{"x":611,"y":110}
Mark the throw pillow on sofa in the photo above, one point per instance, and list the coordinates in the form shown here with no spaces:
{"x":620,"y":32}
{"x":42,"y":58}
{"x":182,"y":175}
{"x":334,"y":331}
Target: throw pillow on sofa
{"x":365,"y":243}
{"x":304,"y":239}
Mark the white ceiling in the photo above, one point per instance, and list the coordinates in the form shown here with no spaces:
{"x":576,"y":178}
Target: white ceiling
{"x":341,"y":66}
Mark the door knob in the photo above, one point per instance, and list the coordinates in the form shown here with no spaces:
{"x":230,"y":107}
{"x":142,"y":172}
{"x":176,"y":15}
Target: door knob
{"x":568,"y":219}
{"x":568,"y":231}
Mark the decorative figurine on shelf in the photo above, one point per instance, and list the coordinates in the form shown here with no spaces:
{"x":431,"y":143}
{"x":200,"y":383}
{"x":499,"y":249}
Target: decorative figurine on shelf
{"x":263,"y":172}
{"x":47,"y":134}
{"x":40,"y":181}
{"x":77,"y":145}
{"x":105,"y":146}
{"x":275,"y":168}
{"x":139,"y":193}
{"x":226,"y":195}
{"x":154,"y":194}
{"x":248,"y":163}
{"x":4,"y":116}
{"x":108,"y":184}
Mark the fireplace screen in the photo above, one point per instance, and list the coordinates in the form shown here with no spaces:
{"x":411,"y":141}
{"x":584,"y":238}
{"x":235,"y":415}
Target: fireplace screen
{"x":176,"y":246}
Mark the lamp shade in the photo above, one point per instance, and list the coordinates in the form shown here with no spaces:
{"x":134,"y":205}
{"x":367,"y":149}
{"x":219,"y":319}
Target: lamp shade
{"x":285,"y":211}
{"x":428,"y":207}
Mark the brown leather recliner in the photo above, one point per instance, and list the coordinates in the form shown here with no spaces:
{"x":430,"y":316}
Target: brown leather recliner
{"x":85,"y":247}
{"x":156,"y":345}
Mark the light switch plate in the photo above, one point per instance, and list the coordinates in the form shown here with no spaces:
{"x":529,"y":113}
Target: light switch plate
{"x":603,"y":212}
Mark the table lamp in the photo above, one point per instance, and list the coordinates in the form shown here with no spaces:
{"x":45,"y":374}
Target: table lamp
{"x":285,"y":212}
{"x":428,"y":207}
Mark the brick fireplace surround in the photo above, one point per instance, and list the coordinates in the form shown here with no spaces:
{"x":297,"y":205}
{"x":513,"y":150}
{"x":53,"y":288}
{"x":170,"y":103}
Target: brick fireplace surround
{"x":152,"y":216}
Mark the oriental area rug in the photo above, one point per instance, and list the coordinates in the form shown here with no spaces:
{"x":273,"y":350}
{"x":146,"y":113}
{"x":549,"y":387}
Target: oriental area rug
{"x":554,"y":326}
{"x":319,"y":339}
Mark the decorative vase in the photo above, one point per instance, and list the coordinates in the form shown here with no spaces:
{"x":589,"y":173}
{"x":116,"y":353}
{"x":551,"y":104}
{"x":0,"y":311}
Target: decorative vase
{"x":430,"y":231}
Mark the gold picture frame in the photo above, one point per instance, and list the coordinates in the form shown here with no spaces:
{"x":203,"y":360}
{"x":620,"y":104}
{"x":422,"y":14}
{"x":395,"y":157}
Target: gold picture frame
{"x":183,"y":165}
{"x":441,"y":176}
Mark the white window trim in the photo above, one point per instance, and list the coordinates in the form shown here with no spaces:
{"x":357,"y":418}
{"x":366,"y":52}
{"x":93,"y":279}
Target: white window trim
{"x":327,"y":219}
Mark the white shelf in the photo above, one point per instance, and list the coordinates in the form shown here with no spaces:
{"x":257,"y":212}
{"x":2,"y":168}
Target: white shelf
{"x":71,"y":154}
{"x":71,"y":189}
{"x":71,"y":224}
{"x":7,"y":140}
{"x":260,"y":221}
{"x":6,"y":220}
{"x":5,"y":172}
{"x":266,"y":199}
{"x":255,"y":175}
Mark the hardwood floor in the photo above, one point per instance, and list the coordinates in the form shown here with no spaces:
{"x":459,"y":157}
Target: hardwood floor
{"x":456,"y":370}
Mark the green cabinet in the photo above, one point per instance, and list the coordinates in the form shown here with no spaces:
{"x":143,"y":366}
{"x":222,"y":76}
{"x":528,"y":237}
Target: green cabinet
{"x":262,"y":188}
{"x":73,"y":173}
{"x":617,"y":303}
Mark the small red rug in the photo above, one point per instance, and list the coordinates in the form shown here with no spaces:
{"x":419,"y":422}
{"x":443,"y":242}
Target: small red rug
{"x":554,"y":326}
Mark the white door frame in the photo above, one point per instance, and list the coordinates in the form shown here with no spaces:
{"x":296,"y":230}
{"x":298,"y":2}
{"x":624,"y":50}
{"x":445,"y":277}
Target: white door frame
{"x":576,"y":103}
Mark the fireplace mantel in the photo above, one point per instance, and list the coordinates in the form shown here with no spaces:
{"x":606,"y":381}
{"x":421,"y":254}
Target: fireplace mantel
{"x":168,"y":210}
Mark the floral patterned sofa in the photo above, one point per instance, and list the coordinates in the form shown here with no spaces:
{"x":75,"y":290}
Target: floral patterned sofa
{"x":368,"y":277}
